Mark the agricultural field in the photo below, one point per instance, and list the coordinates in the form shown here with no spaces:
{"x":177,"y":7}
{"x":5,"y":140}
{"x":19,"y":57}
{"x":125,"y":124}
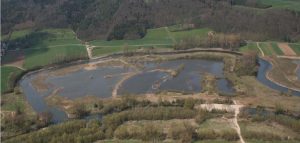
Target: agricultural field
{"x":45,"y":56}
{"x":159,"y":37}
{"x":250,"y":47}
{"x":46,"y":47}
{"x":296,"y":48}
{"x":8,"y":76}
{"x":283,"y":4}
{"x":273,"y":48}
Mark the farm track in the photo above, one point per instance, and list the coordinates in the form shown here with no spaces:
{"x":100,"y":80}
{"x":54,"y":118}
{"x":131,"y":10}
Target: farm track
{"x":229,"y":108}
{"x":262,"y":52}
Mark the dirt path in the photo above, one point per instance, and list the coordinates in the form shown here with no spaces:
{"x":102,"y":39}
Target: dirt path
{"x":286,"y":49}
{"x":119,"y":84}
{"x":262,"y":52}
{"x":229,"y":108}
{"x":89,"y":50}
{"x":235,"y":121}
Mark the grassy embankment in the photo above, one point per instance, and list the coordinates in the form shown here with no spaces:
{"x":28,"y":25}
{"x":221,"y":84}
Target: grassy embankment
{"x":8,"y":75}
{"x":157,"y":38}
{"x":61,"y":46}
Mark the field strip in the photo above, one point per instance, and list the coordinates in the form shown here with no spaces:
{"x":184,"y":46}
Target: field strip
{"x":262,"y":52}
{"x":286,"y":49}
{"x":170,"y":35}
{"x":289,"y":57}
{"x":136,"y":45}
{"x":66,"y":45}
{"x":271,"y":42}
{"x":45,"y":47}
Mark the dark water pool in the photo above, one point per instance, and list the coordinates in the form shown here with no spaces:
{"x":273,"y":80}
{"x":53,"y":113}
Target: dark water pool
{"x":188,"y":80}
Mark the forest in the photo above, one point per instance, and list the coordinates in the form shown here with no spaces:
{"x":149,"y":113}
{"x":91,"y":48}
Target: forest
{"x":116,"y":19}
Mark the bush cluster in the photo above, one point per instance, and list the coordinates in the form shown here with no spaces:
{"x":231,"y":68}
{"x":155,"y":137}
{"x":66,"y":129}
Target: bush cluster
{"x":209,"y":134}
{"x":76,"y":131}
{"x":151,"y":113}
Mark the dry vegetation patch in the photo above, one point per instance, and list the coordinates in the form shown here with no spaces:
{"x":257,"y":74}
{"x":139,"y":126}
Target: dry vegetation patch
{"x":287,"y":50}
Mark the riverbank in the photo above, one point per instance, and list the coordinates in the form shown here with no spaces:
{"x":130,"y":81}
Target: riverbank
{"x":287,"y":78}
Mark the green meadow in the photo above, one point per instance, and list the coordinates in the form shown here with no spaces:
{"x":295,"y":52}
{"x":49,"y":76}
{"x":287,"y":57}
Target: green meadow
{"x":58,"y":45}
{"x":8,"y":76}
{"x":158,"y":37}
{"x":283,"y":4}
{"x":296,"y":48}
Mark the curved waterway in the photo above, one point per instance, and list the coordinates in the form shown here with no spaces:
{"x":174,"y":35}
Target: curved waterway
{"x":264,"y":67}
{"x":152,"y":78}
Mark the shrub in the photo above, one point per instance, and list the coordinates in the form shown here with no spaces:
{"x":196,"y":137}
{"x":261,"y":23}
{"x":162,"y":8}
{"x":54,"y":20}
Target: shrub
{"x":266,"y":136}
{"x":68,"y":132}
{"x":207,"y":134}
{"x":151,"y":113}
{"x":78,"y":110}
{"x":288,"y":121}
{"x":230,"y":135}
{"x":189,"y":103}
{"x":146,"y":133}
{"x":202,"y":116}
{"x":184,"y":133}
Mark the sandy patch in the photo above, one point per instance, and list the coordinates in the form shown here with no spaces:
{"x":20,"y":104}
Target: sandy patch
{"x":39,"y":83}
{"x":16,"y":61}
{"x":286,"y":49}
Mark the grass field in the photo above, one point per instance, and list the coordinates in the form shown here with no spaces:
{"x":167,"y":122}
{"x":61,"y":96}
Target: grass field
{"x":59,"y":45}
{"x":158,"y":37}
{"x":266,"y":48}
{"x":250,"y":47}
{"x":283,"y":4}
{"x":45,"y":56}
{"x":296,"y":48}
{"x":8,"y":75}
{"x":269,"y":48}
{"x":16,"y":34}
{"x":276,"y":49}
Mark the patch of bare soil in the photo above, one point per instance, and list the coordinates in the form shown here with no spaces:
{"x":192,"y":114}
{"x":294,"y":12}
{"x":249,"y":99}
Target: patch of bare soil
{"x":14,"y":58}
{"x":286,"y":49}
{"x":39,"y":83}
{"x":119,"y":84}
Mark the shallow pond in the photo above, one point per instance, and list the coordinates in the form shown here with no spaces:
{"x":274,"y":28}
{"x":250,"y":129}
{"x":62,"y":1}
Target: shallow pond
{"x":188,"y":80}
{"x":101,"y":81}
